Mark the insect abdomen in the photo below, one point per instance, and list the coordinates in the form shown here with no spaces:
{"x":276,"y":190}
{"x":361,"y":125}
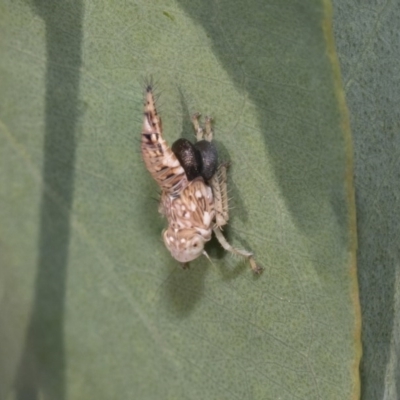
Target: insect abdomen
{"x":159,"y":159}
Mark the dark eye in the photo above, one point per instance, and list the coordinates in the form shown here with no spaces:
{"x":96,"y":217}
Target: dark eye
{"x":195,"y":245}
{"x":209,"y":158}
{"x":189,"y":157}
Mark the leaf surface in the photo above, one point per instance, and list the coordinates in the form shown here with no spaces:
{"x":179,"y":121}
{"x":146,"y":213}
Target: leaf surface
{"x":368,"y":48}
{"x":92,"y":305}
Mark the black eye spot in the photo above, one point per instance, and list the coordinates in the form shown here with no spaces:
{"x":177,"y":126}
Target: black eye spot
{"x":189,"y":157}
{"x":195,"y":245}
{"x":209,"y":158}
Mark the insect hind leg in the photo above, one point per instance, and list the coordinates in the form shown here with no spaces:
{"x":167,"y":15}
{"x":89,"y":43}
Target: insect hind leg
{"x":209,"y":131}
{"x":220,"y":191}
{"x":202,"y":133}
{"x":196,"y":125}
{"x":257,"y":269}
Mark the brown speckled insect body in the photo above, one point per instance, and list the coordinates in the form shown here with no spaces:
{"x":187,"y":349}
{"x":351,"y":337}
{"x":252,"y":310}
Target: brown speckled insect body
{"x":193,"y":187}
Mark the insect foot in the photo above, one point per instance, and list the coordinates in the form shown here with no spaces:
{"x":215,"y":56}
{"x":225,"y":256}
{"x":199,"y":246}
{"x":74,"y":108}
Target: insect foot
{"x":194,"y":196}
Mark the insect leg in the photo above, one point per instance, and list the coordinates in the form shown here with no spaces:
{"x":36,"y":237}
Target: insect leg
{"x":209,"y":132}
{"x":243,"y":253}
{"x":199,"y":130}
{"x":185,"y":265}
{"x":220,"y":191}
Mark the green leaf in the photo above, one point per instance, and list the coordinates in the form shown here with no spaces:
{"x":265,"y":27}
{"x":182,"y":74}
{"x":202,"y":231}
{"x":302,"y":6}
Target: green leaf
{"x":92,"y":305}
{"x":368,"y":46}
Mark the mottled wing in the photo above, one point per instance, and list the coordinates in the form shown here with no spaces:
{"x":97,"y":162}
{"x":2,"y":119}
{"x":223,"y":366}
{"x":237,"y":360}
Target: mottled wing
{"x":193,"y":209}
{"x":160,"y":161}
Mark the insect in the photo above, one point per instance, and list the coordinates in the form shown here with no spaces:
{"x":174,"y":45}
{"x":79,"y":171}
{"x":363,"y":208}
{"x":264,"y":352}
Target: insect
{"x":193,"y":186}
